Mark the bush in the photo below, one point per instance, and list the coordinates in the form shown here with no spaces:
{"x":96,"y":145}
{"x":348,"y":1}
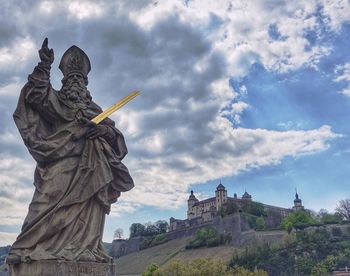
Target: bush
{"x":260,"y":224}
{"x":151,"y":269}
{"x":204,"y":237}
{"x":308,"y":252}
{"x":153,"y":241}
{"x":202,"y":267}
{"x":330,"y":218}
{"x":336,"y":231}
{"x":251,"y":220}
{"x":208,"y":237}
{"x":300,"y":219}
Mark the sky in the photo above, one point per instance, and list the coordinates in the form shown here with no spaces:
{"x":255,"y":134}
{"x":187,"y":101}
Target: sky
{"x":252,"y":94}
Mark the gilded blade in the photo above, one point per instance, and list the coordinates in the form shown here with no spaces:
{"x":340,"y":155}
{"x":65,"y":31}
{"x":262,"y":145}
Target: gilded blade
{"x":99,"y":118}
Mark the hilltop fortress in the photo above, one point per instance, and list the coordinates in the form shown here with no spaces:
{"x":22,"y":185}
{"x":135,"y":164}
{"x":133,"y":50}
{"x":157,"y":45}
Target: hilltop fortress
{"x":206,"y":210}
{"x":239,"y":223}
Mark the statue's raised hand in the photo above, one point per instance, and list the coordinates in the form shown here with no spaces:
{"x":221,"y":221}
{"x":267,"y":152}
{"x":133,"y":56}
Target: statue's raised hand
{"x":46,"y":54}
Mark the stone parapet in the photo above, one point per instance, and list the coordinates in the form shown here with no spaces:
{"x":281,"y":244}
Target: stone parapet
{"x":62,"y":268}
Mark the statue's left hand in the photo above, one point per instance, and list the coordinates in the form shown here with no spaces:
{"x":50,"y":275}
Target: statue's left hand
{"x":93,"y":131}
{"x":98,"y":131}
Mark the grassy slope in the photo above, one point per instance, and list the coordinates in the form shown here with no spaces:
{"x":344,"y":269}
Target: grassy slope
{"x":137,"y":262}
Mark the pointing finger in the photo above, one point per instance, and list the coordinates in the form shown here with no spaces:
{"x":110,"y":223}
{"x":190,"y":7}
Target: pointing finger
{"x":45,"y":43}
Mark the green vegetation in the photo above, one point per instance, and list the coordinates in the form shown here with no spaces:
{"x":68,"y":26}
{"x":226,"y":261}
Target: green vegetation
{"x":252,"y":211}
{"x":343,"y":209}
{"x":260,"y":224}
{"x":153,"y":233}
{"x":199,"y":267}
{"x":153,"y":241}
{"x":308,"y":252}
{"x":208,"y":237}
{"x":326,"y":218}
{"x":148,"y":229}
{"x":249,"y":207}
{"x":299,"y":219}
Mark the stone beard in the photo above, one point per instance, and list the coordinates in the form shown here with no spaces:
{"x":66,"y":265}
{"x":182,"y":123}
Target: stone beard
{"x":79,"y":172}
{"x":75,"y":91}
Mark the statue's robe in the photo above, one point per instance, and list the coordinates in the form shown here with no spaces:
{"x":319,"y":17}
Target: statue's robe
{"x":76,"y":179}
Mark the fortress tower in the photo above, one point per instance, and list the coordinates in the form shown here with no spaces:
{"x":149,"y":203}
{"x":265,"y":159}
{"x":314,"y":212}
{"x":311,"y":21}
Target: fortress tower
{"x":220,"y":196}
{"x":191,"y":213}
{"x":297,"y":203}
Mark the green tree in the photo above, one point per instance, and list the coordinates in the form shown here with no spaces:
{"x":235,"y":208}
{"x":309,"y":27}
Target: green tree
{"x":260,"y":224}
{"x":296,"y":219}
{"x":162,"y":226}
{"x":253,"y":208}
{"x":324,"y":267}
{"x":137,"y":229}
{"x":328,"y":218}
{"x":343,"y":208}
{"x":207,"y":236}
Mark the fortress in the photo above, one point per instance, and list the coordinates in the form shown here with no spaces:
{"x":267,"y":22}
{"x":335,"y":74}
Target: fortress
{"x":199,"y":212}
{"x":239,"y":224}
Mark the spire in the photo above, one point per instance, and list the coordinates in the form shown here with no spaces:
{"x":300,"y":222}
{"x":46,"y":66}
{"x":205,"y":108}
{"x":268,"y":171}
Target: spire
{"x":296,"y":194}
{"x":297,"y":200}
{"x":192,"y":196}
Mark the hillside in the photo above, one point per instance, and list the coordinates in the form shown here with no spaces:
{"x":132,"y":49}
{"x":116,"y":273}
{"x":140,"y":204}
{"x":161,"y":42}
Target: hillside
{"x":136,"y":263}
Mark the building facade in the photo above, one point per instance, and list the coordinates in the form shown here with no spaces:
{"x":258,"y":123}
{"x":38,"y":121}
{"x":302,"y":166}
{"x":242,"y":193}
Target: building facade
{"x":202,"y":211}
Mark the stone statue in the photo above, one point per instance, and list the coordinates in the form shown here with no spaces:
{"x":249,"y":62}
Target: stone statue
{"x":79,"y":172}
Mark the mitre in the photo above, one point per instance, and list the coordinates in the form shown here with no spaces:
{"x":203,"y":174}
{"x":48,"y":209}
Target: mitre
{"x":74,"y":60}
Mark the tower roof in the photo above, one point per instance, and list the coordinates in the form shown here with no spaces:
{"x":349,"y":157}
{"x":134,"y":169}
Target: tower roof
{"x":220,"y":187}
{"x":246,"y":195}
{"x":192,"y":196}
{"x":297,"y":199}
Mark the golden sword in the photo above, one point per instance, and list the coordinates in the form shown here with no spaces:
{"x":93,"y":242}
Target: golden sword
{"x":99,"y":118}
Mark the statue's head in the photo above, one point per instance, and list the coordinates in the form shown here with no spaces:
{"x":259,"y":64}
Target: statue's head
{"x":75,"y":66}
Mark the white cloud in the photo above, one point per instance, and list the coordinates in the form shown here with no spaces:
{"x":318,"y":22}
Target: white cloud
{"x":85,"y":9}
{"x":181,"y":57}
{"x":337,"y":12}
{"x":343,"y":75}
{"x":163,"y":180}
{"x":242,"y":30}
{"x":16,"y":189}
{"x":7,"y":238}
{"x":14,"y":56}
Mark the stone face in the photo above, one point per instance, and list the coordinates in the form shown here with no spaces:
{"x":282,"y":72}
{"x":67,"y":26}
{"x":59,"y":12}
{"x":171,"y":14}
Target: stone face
{"x":62,"y":268}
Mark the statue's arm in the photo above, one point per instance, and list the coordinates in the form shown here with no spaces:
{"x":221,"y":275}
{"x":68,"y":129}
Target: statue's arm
{"x":39,"y":81}
{"x":107,"y":130}
{"x":115,"y":138}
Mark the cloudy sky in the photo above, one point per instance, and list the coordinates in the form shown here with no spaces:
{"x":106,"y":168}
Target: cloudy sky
{"x":255,"y":94}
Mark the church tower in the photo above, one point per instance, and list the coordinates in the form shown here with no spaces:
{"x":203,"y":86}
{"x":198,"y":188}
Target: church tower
{"x":297,"y":203}
{"x":191,"y":213}
{"x":220,"y":196}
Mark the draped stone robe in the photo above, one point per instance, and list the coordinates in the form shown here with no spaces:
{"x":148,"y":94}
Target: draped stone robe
{"x":76,"y":179}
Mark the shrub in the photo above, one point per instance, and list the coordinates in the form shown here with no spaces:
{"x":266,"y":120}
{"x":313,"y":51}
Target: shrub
{"x":202,"y":267}
{"x":299,"y":218}
{"x":336,"y":231}
{"x":207,"y":236}
{"x":151,"y":269}
{"x":260,"y":224}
